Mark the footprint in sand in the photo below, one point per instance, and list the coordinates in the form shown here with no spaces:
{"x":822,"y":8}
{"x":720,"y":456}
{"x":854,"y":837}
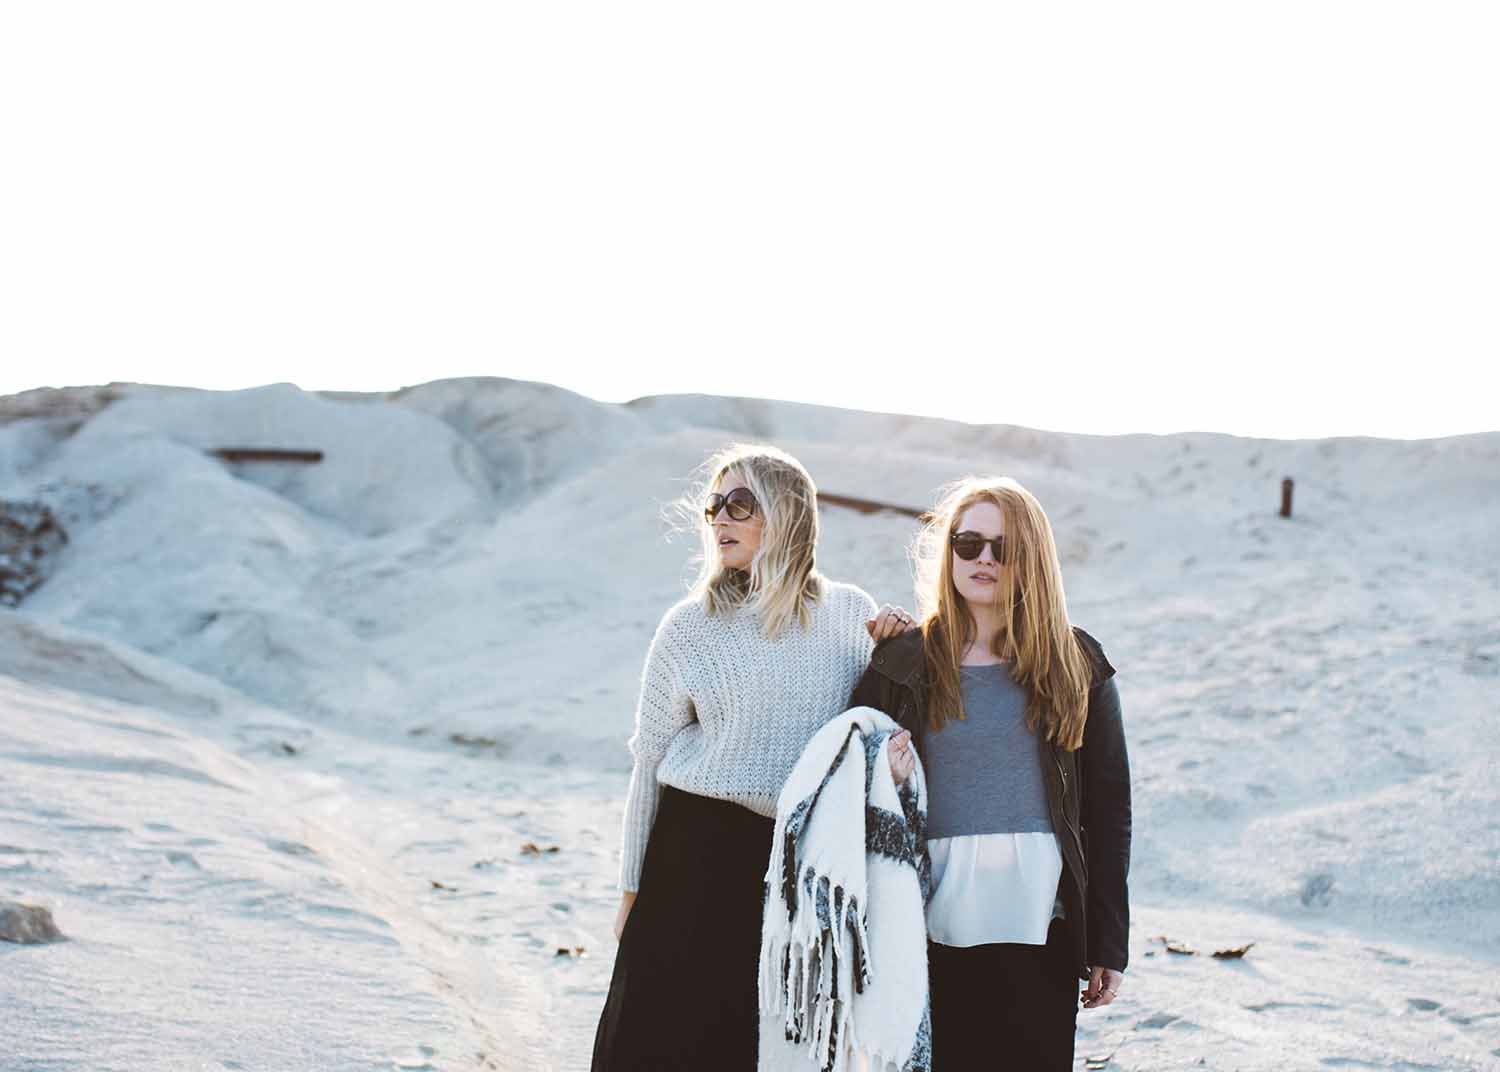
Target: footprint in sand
{"x":1317,"y":890}
{"x":1160,"y":1019}
{"x":1482,"y":663}
{"x":1269,"y":1005}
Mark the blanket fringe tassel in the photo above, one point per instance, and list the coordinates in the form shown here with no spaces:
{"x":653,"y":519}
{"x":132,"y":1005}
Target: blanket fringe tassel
{"x":809,"y":973}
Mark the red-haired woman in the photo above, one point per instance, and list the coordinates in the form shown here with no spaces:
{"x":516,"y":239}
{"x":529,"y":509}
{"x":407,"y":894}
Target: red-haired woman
{"x":1016,"y":717}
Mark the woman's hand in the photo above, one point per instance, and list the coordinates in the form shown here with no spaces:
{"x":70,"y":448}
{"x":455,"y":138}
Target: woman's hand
{"x":627,"y":902}
{"x":903,"y":759}
{"x":889,"y":622}
{"x":1104,"y":984}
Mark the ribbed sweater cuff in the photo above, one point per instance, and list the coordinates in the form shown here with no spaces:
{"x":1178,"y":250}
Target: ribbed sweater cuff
{"x":640,"y":813}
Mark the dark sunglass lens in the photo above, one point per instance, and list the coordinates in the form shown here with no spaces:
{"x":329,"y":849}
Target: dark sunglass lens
{"x":712,"y":506}
{"x":967,"y":547}
{"x":741,"y":504}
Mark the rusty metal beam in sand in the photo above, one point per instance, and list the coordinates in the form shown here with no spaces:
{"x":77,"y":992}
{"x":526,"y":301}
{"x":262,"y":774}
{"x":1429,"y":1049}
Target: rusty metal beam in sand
{"x":265,"y":454}
{"x":868,"y":506}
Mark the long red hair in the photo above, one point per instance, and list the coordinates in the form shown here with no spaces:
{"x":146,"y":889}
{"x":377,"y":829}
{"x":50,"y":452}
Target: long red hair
{"x":1034,"y":633}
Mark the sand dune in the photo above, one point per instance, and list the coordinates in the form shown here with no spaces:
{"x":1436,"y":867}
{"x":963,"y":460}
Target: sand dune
{"x":273,"y":737}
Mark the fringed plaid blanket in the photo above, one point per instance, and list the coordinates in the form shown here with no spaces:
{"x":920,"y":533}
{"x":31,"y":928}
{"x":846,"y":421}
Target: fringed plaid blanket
{"x":843,"y":956}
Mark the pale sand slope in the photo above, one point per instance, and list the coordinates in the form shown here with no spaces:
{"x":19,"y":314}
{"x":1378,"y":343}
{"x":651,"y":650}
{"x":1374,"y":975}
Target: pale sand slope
{"x":1310,"y":707}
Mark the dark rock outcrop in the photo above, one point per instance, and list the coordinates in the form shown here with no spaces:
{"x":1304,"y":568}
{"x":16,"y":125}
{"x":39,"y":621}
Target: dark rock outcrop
{"x":30,"y":537}
{"x":27,"y":924}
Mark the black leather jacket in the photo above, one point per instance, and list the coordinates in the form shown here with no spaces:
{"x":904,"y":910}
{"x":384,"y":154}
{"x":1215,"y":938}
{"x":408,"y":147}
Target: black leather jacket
{"x":1088,"y":791}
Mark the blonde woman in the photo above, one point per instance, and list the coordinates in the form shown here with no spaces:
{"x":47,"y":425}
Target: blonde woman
{"x":739,"y":676}
{"x":1016,"y":718}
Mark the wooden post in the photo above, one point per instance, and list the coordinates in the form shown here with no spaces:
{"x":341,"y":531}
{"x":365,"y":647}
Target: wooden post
{"x":1286,"y":497}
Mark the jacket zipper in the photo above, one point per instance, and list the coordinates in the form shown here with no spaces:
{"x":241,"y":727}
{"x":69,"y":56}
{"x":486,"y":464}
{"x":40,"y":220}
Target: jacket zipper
{"x":1077,"y":838}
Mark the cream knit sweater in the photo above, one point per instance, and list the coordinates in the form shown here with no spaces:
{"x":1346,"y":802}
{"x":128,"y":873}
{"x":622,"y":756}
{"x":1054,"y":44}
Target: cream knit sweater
{"x":725,"y":712}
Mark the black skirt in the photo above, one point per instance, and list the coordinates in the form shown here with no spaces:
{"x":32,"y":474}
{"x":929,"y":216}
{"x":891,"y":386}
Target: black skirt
{"x":1004,"y":1006}
{"x":685,"y":989}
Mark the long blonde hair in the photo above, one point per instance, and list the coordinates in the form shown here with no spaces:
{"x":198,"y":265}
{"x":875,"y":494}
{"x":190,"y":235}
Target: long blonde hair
{"x":1034,"y":631}
{"x":782,"y":582}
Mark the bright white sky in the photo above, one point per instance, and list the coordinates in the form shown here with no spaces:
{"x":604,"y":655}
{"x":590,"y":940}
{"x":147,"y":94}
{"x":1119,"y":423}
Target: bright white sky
{"x":1276,"y":218}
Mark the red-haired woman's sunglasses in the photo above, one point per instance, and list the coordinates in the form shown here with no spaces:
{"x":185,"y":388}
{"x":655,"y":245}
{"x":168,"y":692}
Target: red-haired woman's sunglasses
{"x":968,"y":545}
{"x":739,"y":502}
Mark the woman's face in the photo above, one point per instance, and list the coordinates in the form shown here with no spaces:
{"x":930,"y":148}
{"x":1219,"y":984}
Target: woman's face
{"x":737,"y":540}
{"x":978,"y":580}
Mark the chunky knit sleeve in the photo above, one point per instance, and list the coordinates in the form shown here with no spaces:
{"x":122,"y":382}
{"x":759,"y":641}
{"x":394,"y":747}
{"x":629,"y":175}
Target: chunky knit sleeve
{"x":863,"y":609}
{"x":663,"y":710}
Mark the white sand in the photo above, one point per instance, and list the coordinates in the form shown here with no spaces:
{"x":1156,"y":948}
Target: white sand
{"x":261,"y":709}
